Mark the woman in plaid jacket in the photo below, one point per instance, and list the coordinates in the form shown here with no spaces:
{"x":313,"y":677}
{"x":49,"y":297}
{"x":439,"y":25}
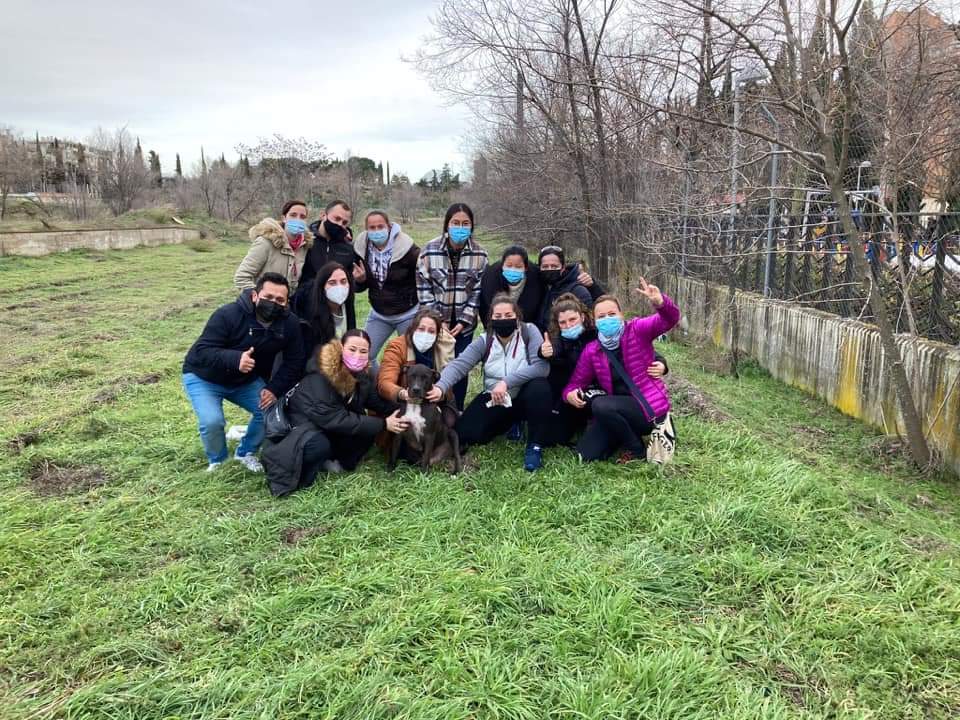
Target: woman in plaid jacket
{"x":448,"y":279}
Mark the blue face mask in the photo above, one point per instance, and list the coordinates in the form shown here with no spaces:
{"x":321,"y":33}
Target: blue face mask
{"x":610,"y":327}
{"x":459,"y":235}
{"x":378,"y":237}
{"x":572,"y":333}
{"x":295,"y":227}
{"x":512,"y":275}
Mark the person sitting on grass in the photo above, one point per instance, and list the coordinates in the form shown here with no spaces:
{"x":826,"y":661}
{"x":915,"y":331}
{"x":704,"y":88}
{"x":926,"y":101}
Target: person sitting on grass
{"x":619,"y":420}
{"x":232,"y":360}
{"x":571,"y":329}
{"x":515,"y":387}
{"x":331,"y":429}
{"x":277,"y":246}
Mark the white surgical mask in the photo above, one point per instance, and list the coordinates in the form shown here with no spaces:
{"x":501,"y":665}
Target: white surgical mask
{"x":423,"y":341}
{"x":337,"y":294}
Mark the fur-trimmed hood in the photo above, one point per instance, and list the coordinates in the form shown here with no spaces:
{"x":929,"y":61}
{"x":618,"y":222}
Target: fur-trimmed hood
{"x":328,"y":361}
{"x":271,"y":230}
{"x":402,"y":243}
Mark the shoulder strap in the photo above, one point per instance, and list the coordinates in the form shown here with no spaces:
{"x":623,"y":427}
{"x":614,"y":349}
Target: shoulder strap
{"x":634,"y":390}
{"x":486,"y":351}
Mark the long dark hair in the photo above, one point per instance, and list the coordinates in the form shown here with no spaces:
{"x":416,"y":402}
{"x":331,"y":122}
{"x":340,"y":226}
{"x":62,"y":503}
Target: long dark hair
{"x":453,"y":210}
{"x":321,"y":319}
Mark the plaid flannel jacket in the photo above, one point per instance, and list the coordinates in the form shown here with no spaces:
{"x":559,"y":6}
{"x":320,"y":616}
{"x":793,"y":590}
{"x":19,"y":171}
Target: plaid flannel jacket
{"x":455,"y":294}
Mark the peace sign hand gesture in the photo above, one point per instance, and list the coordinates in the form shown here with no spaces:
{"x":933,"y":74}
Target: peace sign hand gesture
{"x":651,"y":292}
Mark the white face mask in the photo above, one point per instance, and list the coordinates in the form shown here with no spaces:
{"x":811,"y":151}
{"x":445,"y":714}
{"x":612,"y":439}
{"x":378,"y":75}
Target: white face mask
{"x":423,"y":341}
{"x":337,"y":294}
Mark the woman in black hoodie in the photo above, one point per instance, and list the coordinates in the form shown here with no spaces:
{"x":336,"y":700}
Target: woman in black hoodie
{"x":328,"y":411}
{"x":570,"y":330}
{"x":558,"y":279}
{"x":514,"y":277}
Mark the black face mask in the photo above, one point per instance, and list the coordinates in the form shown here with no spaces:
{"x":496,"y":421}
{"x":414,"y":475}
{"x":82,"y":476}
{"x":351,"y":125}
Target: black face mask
{"x":268,"y":310}
{"x":503,"y":328}
{"x":336,"y":233}
{"x":550,"y":277}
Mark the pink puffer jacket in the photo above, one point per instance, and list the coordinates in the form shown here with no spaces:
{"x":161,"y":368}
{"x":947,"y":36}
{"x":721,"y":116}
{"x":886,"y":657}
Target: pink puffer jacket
{"x":637,"y":344}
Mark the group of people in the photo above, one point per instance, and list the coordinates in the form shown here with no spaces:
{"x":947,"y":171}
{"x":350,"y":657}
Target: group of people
{"x":560,"y":363}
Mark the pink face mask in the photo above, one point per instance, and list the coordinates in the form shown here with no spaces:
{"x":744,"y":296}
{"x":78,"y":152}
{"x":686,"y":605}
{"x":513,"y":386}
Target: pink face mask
{"x":355,"y":363}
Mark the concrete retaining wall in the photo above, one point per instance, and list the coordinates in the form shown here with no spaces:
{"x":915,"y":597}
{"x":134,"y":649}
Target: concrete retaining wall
{"x":34,"y":244}
{"x":838,"y":360}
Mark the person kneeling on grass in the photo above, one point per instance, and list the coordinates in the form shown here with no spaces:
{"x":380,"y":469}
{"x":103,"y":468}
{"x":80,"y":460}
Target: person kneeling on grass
{"x":515,"y":387}
{"x":331,"y":430}
{"x":232,"y":360}
{"x":571,"y":329}
{"x":618,"y":360}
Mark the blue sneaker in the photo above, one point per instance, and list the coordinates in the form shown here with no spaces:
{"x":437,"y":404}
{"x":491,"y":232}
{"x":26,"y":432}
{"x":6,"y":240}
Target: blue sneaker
{"x":515,"y":433}
{"x":533,"y":458}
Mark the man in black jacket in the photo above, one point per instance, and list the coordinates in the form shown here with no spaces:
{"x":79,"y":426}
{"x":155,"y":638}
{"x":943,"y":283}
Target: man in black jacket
{"x":232,"y":360}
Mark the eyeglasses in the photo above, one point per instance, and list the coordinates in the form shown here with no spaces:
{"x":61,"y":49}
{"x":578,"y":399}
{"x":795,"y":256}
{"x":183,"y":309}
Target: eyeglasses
{"x":551,"y":250}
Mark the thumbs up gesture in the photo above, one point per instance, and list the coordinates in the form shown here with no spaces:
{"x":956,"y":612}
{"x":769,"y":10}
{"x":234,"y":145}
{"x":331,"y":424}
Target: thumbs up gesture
{"x":546,"y":350}
{"x":247,"y":363}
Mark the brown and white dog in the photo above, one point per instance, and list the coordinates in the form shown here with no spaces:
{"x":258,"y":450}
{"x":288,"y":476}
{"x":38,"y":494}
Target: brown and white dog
{"x":430,"y":435}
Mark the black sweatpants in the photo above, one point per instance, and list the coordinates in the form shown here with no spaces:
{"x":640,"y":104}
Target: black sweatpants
{"x":480,"y":424}
{"x":618,"y":422}
{"x":345,"y":449}
{"x":565,"y":422}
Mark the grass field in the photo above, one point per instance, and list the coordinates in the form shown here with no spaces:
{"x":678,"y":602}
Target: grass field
{"x":785,"y":566}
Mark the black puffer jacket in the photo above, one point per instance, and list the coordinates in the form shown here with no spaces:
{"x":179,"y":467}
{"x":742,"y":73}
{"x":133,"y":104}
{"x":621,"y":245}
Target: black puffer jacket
{"x":329,"y":399}
{"x":567,"y":283}
{"x":233,"y":329}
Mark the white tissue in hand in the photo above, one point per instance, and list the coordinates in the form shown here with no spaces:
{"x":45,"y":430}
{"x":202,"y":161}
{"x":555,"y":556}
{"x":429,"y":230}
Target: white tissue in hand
{"x":507,"y":402}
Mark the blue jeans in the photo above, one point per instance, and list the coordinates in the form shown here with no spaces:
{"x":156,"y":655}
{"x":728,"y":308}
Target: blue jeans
{"x":207,"y":400}
{"x":381,"y":327}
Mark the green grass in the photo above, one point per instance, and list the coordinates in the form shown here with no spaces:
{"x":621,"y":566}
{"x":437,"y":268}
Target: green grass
{"x":783,"y":567}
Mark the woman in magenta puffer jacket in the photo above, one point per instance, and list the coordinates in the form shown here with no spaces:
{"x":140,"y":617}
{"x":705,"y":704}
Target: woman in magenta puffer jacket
{"x":620,"y":419}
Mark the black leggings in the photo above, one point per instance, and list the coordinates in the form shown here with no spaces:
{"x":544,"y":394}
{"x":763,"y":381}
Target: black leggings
{"x":345,"y":449}
{"x":565,"y":422}
{"x":480,"y":424}
{"x":618,"y":422}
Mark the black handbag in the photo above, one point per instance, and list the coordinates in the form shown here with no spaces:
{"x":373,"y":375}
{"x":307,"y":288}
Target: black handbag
{"x":276,"y":425}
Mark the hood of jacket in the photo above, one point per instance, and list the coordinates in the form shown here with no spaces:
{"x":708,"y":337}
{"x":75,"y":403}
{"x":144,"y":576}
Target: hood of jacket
{"x":443,"y":349}
{"x":402,"y":243}
{"x":328,"y":361}
{"x":271,"y":230}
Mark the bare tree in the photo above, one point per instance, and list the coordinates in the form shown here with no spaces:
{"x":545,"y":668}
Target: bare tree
{"x":288,"y":166}
{"x":15,"y":166}
{"x":122,"y":177}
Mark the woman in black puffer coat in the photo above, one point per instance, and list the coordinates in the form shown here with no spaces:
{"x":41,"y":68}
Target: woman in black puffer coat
{"x":332,"y":430}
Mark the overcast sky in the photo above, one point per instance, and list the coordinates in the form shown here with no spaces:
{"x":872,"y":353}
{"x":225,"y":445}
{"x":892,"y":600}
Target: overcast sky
{"x":181,"y":73}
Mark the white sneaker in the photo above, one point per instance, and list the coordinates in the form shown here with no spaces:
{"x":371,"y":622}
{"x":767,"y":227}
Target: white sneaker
{"x":332,"y":466}
{"x":250,"y":462}
{"x":236,"y":433}
{"x":213,"y":466}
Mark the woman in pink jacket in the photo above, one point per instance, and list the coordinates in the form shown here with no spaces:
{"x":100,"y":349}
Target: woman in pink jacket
{"x":632,"y":405}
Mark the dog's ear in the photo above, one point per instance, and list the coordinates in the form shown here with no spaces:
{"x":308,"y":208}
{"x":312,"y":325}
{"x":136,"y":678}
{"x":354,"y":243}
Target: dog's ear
{"x":436,"y":376}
